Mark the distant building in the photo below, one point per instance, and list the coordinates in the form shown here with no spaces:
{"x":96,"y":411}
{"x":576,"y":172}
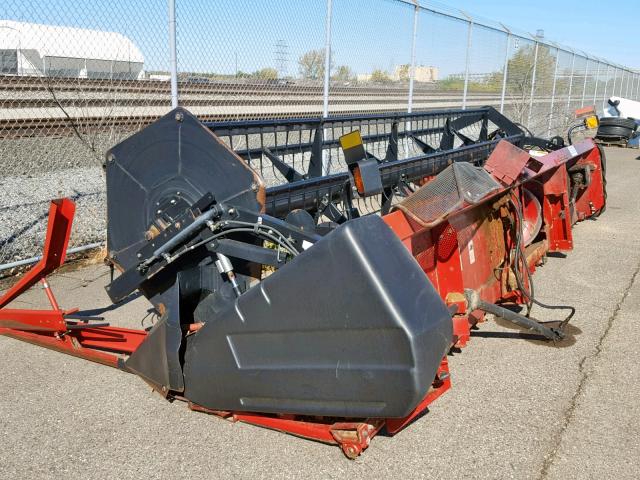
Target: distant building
{"x":160,"y":77}
{"x":33,"y":49}
{"x":401,"y":74}
{"x":473,"y":77}
{"x":423,"y":73}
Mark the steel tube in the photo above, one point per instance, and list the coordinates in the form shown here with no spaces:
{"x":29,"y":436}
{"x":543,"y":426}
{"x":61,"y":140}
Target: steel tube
{"x":553,"y":90}
{"x":520,"y":320}
{"x":466,"y":68}
{"x":412,"y":70}
{"x":626,"y":92}
{"x":47,"y":290}
{"x":173,"y":55}
{"x":595,"y":88}
{"x":327,"y":78}
{"x":606,"y":84}
{"x":573,"y":64}
{"x":584,"y":85}
{"x":327,"y":60}
{"x":504,"y":73}
{"x":29,"y":261}
{"x":533,"y":84}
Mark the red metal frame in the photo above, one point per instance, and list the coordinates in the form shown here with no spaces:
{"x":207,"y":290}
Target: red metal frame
{"x":467,"y":249}
{"x":352,"y":435}
{"x":61,"y":214}
{"x":50,"y":328}
{"x":470,"y":247}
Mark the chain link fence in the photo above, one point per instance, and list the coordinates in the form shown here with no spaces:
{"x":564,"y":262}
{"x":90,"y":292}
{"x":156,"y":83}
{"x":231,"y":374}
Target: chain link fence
{"x":77,"y":77}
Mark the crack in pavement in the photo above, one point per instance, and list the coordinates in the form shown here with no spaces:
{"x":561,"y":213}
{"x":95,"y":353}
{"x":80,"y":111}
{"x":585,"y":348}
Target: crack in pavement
{"x":573,"y":403}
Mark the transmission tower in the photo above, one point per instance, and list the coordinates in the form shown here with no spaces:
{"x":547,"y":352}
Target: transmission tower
{"x":282,"y":58}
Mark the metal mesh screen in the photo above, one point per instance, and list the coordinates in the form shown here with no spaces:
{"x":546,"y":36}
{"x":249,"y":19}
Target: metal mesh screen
{"x":457,"y":185}
{"x":369,"y":56}
{"x":74,"y":88}
{"x":236,"y":61}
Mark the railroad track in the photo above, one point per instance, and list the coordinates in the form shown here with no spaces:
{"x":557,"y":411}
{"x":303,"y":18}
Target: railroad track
{"x":16,"y":83}
{"x":28,"y":108}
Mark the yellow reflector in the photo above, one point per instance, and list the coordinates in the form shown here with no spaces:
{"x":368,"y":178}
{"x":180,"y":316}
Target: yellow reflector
{"x":591,"y":122}
{"x":351,"y":140}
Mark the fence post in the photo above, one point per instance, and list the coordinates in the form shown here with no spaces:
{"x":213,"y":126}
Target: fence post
{"x":505,"y":69}
{"x":573,"y":64}
{"x":466,"y":62}
{"x":638,"y":89}
{"x":412,"y":68}
{"x":621,"y":81}
{"x":327,"y":61}
{"x":553,"y":89}
{"x":173,"y":54}
{"x":629,"y":79}
{"x":533,"y":83}
{"x":626,"y":90}
{"x":584,"y":85}
{"x":606,"y":85}
{"x":595,"y":88}
{"x":325,"y":88}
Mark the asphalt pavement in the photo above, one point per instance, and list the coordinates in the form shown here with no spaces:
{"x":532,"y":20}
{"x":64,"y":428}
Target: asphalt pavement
{"x":517,"y":408}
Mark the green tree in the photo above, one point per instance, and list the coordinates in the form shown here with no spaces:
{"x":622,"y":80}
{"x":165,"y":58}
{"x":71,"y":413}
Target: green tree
{"x":343,"y":74}
{"x":380,"y":76}
{"x":312,"y":65}
{"x":520,"y":79}
{"x":266,"y":74}
{"x":403,"y":72}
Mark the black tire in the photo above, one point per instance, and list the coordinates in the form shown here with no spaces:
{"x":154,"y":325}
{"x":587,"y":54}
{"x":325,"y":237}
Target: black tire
{"x":614,"y":132}
{"x":618,"y":122}
{"x":615,"y":127}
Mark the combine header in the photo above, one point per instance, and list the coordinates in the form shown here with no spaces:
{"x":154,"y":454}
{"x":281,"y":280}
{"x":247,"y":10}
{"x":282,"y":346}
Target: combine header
{"x":311,"y":276}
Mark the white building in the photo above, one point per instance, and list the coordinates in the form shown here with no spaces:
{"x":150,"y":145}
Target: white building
{"x":33,"y":49}
{"x":423,"y":73}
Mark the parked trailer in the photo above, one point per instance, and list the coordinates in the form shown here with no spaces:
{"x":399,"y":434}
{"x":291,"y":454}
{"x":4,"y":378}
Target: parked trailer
{"x":293,"y":305}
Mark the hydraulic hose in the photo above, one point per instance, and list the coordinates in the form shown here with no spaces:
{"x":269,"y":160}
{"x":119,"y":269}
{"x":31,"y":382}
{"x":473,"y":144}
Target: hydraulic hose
{"x":521,"y":260}
{"x":521,"y":320}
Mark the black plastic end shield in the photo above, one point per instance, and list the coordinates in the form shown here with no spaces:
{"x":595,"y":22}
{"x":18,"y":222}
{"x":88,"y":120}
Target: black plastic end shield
{"x":174,"y":156}
{"x":352,"y":327}
{"x":157,"y":359}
